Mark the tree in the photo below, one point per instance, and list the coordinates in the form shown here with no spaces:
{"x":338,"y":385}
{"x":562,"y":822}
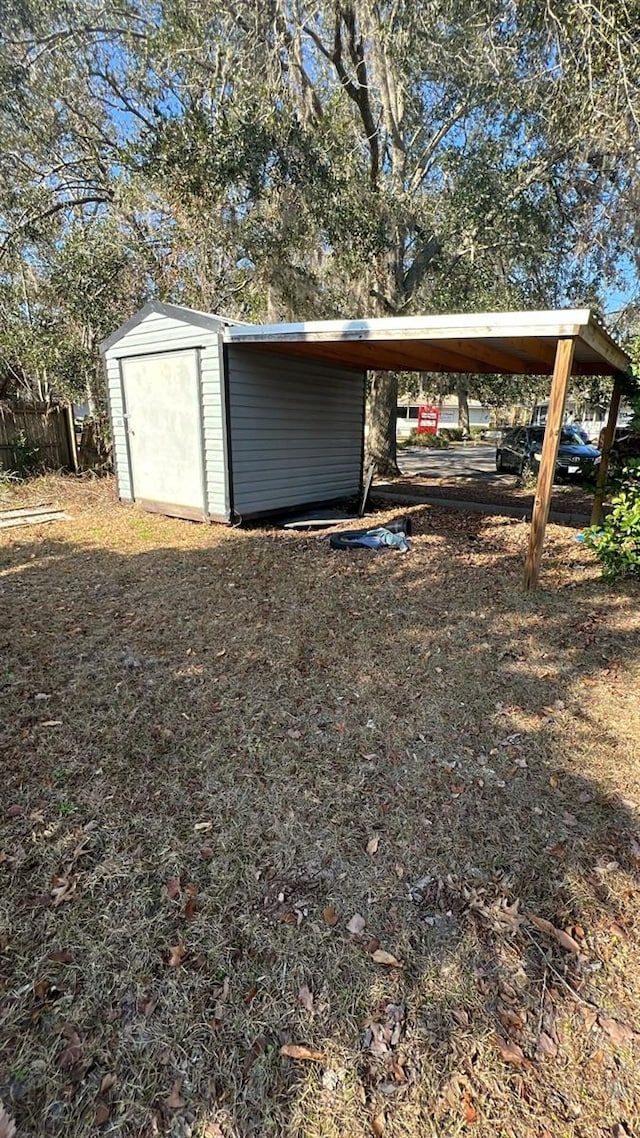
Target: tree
{"x":369,"y":158}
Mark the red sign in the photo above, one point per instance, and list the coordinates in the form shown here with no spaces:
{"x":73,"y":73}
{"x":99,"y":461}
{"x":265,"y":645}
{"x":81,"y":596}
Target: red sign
{"x":428,"y":418}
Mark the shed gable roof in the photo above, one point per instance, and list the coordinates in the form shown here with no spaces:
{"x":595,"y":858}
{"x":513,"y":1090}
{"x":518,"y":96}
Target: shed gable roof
{"x":190,"y":316}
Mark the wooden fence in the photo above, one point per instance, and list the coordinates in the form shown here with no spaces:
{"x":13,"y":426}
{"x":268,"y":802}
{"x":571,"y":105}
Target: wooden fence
{"x":34,"y":435}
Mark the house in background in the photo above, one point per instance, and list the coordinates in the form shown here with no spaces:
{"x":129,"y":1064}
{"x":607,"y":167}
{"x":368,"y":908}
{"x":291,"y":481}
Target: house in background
{"x":407,"y":414}
{"x":591,"y":417}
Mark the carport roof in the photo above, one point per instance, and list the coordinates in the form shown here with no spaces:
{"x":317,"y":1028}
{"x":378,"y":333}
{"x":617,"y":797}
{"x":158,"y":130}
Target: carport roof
{"x":515,"y":343}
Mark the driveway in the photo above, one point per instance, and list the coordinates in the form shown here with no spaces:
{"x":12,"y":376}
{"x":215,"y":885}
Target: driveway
{"x":475,"y":462}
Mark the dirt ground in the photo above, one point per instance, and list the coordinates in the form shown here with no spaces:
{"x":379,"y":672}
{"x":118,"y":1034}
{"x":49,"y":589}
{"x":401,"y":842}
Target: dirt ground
{"x":260,"y":797}
{"x":567,"y":498}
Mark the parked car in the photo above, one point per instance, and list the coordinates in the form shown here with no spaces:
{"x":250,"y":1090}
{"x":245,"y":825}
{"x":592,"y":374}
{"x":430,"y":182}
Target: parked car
{"x":625,"y":445}
{"x":521,"y":450}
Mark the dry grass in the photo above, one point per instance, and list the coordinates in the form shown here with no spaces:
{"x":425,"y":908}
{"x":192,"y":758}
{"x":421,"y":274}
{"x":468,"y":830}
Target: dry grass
{"x":243,"y":711}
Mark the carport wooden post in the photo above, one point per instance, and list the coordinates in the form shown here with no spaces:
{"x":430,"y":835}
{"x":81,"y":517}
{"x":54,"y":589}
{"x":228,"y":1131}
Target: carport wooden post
{"x":607,"y":443}
{"x":551,"y":442}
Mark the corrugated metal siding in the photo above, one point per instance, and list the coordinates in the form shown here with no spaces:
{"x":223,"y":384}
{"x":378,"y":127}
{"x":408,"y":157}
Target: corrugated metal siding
{"x":158,"y":333}
{"x":296,"y":430}
{"x":118,"y":429}
{"x":215,"y":428}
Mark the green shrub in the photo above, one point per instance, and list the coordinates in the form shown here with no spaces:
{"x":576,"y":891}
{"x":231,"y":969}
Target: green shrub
{"x":432,"y":441}
{"x":25,"y":457}
{"x":452,"y":434}
{"x":616,"y":543}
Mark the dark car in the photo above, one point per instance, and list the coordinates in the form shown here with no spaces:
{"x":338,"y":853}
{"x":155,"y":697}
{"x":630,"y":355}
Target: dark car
{"x":625,"y":445}
{"x":520,"y":450}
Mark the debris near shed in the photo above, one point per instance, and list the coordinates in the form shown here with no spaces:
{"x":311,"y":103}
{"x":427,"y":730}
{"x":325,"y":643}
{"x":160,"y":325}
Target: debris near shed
{"x":392,"y":536}
{"x":32,"y":516}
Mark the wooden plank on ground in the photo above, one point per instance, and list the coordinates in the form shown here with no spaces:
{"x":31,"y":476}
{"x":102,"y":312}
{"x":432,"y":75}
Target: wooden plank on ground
{"x":550,"y":445}
{"x":23,"y":511}
{"x":27,"y":518}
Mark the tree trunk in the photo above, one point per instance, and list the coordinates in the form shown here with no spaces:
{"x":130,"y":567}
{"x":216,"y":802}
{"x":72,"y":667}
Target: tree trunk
{"x":463,"y":407}
{"x":381,"y":418}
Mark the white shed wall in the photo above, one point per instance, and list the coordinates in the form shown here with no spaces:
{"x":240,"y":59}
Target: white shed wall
{"x":296,"y":430}
{"x":158,"y":333}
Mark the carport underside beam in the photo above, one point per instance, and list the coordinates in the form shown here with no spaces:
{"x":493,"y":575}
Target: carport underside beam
{"x":550,"y":445}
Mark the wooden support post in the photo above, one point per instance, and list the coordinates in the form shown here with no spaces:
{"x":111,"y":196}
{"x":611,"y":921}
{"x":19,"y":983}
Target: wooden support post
{"x":551,"y":442}
{"x":71,"y":437}
{"x":607,"y":443}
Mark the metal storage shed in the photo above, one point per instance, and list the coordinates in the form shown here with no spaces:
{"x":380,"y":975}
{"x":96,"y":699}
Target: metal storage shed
{"x":210,"y":430}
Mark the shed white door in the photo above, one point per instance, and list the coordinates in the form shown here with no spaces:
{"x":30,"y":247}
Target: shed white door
{"x":164,"y":428}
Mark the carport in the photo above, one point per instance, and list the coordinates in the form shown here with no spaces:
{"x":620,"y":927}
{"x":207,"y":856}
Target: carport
{"x":559,"y":343}
{"x":219,"y":421}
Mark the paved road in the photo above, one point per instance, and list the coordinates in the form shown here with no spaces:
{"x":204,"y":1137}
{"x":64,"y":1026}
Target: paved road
{"x":473,"y":462}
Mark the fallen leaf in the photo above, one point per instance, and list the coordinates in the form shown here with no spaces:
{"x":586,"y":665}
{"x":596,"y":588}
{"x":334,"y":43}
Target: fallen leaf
{"x":510,"y":1052}
{"x":177,"y":953}
{"x":7,"y":1125}
{"x":356,"y":925}
{"x":62,"y":889}
{"x":41,"y":989}
{"x":61,"y":956}
{"x":469,"y":1111}
{"x":546,"y":1046}
{"x":103,"y":1113}
{"x":634,"y":850}
{"x":190,"y":909}
{"x":460,"y":1016}
{"x":201,"y":827}
{"x":399,"y":869}
{"x":305,"y":998}
{"x":147,"y":1006}
{"x":15,"y":811}
{"x":288,"y":918}
{"x":175,"y":1100}
{"x":251,"y":994}
{"x":554,"y":781}
{"x":382,"y":957}
{"x":378,"y":1125}
{"x":396,"y":1070}
{"x":72,"y":1053}
{"x":560,"y":935}
{"x":172,"y":888}
{"x":509,"y":1018}
{"x":212,"y":1130}
{"x":108,"y":1081}
{"x":329,"y":916}
{"x":372,"y":844}
{"x":206,"y":853}
{"x":619,"y":1033}
{"x":299,"y":1051}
